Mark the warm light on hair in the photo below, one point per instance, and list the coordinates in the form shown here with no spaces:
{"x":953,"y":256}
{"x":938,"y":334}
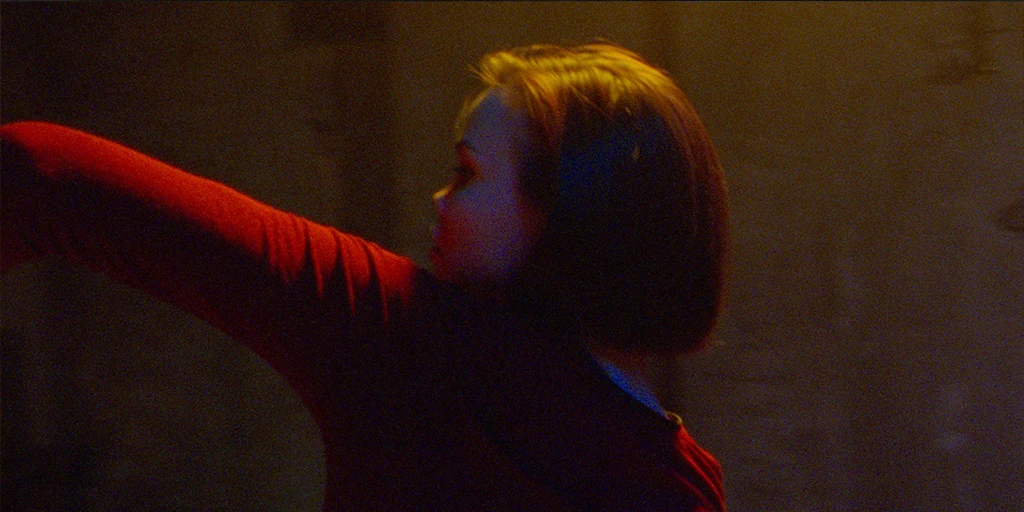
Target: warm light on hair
{"x":634,"y":254}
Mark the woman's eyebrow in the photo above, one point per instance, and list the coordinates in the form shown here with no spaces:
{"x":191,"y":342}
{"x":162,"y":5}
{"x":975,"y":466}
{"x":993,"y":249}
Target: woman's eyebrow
{"x":464,"y":149}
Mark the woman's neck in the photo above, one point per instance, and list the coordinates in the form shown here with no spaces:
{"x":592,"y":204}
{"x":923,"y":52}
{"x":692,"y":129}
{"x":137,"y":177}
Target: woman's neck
{"x":629,"y":371}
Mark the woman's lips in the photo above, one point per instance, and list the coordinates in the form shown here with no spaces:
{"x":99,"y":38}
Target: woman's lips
{"x":435,"y":250}
{"x":437,"y":260}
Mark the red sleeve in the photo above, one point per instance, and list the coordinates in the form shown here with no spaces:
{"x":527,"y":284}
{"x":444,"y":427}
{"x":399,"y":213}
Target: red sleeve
{"x":278,"y":283}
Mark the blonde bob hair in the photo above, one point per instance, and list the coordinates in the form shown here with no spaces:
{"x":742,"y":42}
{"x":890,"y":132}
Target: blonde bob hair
{"x":634,"y":253}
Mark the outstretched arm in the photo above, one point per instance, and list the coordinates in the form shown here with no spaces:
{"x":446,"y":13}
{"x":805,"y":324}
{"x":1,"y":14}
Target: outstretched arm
{"x":280,"y":284}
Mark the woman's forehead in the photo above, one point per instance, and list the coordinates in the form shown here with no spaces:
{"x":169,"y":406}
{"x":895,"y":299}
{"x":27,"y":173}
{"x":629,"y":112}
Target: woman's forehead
{"x":490,"y":122}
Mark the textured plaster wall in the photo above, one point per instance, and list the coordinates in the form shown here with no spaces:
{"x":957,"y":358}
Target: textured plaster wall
{"x":874,"y":349}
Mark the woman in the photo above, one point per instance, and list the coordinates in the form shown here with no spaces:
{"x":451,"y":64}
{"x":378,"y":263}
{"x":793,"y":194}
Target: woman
{"x":585,"y":229}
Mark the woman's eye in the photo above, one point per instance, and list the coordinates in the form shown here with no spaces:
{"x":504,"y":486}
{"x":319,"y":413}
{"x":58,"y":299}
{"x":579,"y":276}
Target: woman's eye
{"x":462,"y":174}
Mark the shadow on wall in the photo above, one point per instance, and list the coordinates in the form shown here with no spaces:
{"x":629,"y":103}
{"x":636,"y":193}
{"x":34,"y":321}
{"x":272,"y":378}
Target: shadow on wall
{"x":1011,"y":216}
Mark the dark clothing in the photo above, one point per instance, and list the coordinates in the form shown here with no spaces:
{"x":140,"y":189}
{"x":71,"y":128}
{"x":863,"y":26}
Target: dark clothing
{"x":426,"y":398}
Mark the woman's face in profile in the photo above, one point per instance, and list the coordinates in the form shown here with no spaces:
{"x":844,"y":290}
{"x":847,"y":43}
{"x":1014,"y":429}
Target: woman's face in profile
{"x":485,"y":227}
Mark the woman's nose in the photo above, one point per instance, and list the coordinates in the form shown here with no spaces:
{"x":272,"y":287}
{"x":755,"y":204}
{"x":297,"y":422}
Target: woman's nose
{"x":441,"y":199}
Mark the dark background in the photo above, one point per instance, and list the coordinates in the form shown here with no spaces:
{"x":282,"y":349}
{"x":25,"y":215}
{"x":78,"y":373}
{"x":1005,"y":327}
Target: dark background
{"x":872,"y":356}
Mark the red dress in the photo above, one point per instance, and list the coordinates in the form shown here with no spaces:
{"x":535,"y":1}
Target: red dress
{"x":426,"y":398}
